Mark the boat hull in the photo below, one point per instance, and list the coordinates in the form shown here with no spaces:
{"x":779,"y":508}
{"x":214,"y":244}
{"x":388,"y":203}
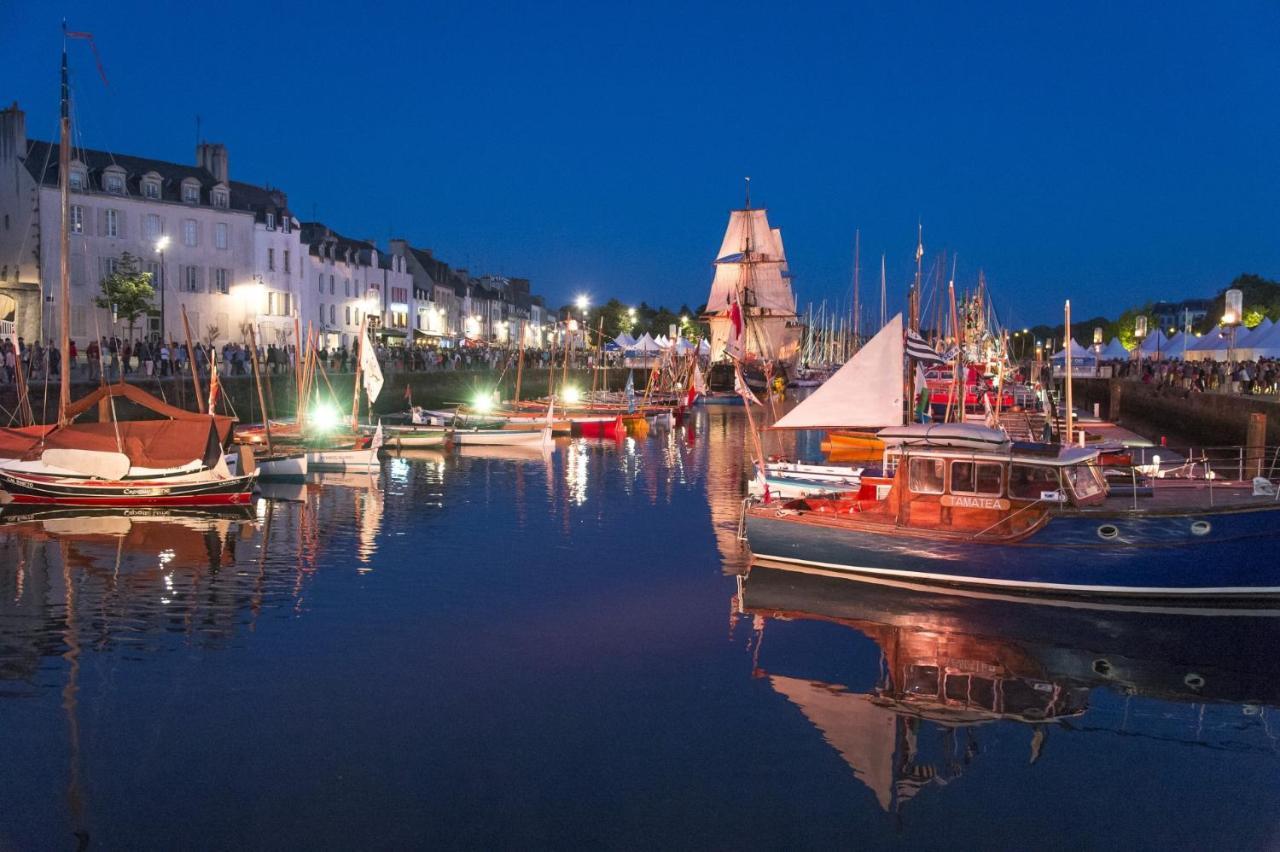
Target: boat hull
{"x":1204,"y":553}
{"x":503,"y":437}
{"x":64,"y":491}
{"x":343,"y":460}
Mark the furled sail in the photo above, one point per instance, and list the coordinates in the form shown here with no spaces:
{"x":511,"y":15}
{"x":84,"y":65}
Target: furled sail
{"x":865,"y":393}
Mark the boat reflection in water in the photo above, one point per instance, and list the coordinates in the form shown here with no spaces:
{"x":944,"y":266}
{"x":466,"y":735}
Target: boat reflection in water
{"x":951,"y":663}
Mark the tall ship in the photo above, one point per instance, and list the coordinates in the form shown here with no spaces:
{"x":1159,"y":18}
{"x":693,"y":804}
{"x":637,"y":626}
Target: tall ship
{"x":751,"y":311}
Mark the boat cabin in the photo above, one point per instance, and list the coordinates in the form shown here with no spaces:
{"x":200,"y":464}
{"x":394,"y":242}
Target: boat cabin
{"x":963,"y":478}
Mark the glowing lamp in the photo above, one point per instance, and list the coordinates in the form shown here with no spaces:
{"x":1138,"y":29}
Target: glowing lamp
{"x":572,"y":395}
{"x":483,"y":403}
{"x":324,"y":417}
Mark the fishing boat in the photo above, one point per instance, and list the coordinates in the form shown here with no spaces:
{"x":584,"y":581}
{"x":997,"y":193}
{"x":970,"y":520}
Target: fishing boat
{"x":198,"y":489}
{"x":414,"y":436}
{"x":601,"y":427}
{"x":751,"y":310}
{"x":968,"y":507}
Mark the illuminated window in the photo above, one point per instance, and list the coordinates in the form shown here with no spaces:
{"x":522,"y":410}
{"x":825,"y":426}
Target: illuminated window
{"x":926,"y":476}
{"x":969,"y":477}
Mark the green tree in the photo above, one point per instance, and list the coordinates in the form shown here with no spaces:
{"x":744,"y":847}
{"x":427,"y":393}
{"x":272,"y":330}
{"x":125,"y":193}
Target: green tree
{"x":127,"y":292}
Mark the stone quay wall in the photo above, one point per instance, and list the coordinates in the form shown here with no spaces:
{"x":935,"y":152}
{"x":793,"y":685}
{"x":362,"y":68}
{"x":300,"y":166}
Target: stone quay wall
{"x":1209,"y":419}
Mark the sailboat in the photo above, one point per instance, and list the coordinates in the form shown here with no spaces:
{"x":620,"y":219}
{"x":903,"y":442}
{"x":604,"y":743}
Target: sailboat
{"x":865,"y":395}
{"x":175,"y":461}
{"x":751,"y":310}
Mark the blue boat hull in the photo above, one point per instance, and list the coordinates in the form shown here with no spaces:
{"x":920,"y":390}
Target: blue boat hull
{"x":1220,"y":554}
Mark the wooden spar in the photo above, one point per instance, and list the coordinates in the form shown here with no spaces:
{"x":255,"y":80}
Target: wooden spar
{"x":271,"y":397}
{"x":595,"y":373}
{"x":64,"y":258}
{"x":1070,"y":419}
{"x":355,"y":385}
{"x":1004,"y":349}
{"x":564,"y":378}
{"x":955,"y":369}
{"x":191,"y":356}
{"x":551,"y":373}
{"x":604,"y":375}
{"x":519,"y":365}
{"x":751,"y":427}
{"x":857,"y":301}
{"x":257,"y":380}
{"x":299,"y":410}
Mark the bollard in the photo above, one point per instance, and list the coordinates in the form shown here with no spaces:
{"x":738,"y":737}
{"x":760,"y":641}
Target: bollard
{"x":1097,"y":411}
{"x":1255,"y":443}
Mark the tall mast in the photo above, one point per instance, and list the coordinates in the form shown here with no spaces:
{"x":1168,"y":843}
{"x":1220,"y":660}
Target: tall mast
{"x":883,"y":318}
{"x":857,"y":305}
{"x":64,"y":236}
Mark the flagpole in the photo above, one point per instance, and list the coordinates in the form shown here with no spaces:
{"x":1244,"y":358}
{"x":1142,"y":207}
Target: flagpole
{"x":355,"y":385}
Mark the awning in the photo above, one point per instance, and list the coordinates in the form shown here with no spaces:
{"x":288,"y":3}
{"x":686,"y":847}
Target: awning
{"x":391,"y":332}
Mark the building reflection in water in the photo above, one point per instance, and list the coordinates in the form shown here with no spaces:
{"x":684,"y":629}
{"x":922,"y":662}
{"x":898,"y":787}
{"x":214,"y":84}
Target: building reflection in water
{"x":951,"y":664}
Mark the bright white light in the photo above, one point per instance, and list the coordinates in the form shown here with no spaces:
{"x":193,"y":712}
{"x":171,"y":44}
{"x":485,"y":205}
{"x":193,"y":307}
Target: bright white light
{"x":583,"y":302}
{"x":162,"y":243}
{"x":572,"y":395}
{"x":324,"y":417}
{"x":483,"y":403}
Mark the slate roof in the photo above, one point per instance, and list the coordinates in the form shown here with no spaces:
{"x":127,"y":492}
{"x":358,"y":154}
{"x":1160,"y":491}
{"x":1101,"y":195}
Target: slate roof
{"x":42,"y":163}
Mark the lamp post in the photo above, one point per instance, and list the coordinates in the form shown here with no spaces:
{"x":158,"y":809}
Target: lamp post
{"x":161,"y":244}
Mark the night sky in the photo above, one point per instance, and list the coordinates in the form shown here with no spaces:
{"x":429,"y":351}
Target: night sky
{"x":1105,"y":152}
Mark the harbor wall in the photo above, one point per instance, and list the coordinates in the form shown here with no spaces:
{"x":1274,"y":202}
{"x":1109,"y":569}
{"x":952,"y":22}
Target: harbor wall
{"x":431,"y":389}
{"x":1204,"y":419}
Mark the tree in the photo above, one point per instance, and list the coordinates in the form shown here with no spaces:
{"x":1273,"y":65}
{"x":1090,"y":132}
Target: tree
{"x":127,"y":292}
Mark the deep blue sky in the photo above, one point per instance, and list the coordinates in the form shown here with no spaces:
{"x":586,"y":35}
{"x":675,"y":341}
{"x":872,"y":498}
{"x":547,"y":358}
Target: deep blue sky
{"x":1100,"y":151}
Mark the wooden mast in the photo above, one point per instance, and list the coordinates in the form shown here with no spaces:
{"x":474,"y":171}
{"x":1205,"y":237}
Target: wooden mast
{"x":257,"y":380}
{"x":355,"y":385}
{"x":1070,"y":418}
{"x":64,"y":259}
{"x":191,"y":356}
{"x":857,"y":295}
{"x":519,"y":366}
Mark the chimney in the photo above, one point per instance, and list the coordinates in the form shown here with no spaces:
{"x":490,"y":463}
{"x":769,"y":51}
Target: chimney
{"x":13,"y":132}
{"x":212,"y":157}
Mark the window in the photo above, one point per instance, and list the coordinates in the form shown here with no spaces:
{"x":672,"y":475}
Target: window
{"x":153,"y":269}
{"x":151,"y":226}
{"x":111,"y":222}
{"x":1030,"y":481}
{"x":348,"y":315}
{"x":926,"y":476}
{"x":271,"y":221}
{"x":77,"y":219}
{"x":220,"y":198}
{"x":189,"y":279}
{"x":320,"y":282}
{"x":109,"y":266}
{"x":222,"y":280}
{"x":151,"y":189}
{"x":271,"y":259}
{"x":77,"y":180}
{"x":220,"y":235}
{"x":114,"y":184}
{"x":975,"y":478}
{"x":190,"y":232}
{"x":322,"y":313}
{"x":286,"y":260}
{"x":1084,"y":480}
{"x":346,"y":285}
{"x":333,"y":314}
{"x":191,"y":193}
{"x":330,"y":285}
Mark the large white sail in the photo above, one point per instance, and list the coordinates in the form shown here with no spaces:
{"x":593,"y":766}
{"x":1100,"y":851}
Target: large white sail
{"x":751,"y":267}
{"x":865,"y":393}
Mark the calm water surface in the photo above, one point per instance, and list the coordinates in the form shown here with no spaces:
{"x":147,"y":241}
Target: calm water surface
{"x":515,"y":652}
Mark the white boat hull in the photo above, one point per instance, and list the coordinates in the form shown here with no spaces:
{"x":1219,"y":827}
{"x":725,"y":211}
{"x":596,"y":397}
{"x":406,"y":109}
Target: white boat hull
{"x":343,"y":460}
{"x":503,"y":437}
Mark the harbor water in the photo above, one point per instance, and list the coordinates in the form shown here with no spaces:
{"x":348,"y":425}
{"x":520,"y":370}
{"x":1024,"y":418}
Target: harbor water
{"x":492,"y":648}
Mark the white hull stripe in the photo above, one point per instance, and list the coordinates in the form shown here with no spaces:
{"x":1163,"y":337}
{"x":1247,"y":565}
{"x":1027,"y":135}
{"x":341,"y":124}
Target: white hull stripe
{"x":1029,"y":584}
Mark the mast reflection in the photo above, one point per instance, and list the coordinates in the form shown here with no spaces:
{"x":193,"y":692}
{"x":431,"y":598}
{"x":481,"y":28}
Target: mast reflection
{"x":951,"y":664}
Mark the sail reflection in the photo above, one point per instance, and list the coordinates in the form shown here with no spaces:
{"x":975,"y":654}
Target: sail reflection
{"x":951,"y":664}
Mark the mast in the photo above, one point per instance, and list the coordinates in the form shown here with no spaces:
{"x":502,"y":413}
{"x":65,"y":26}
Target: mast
{"x":883,"y":317}
{"x":191,"y":356}
{"x":519,"y":366}
{"x":857,"y":304}
{"x":1070,"y":419}
{"x":355,"y":384}
{"x":64,"y":260}
{"x":257,"y":380}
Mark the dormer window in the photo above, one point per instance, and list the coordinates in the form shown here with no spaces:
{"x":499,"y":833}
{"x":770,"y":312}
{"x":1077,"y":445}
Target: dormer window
{"x":191,"y":191}
{"x":220,"y":198}
{"x":285,"y":224}
{"x":151,"y":188}
{"x":76,"y":180}
{"x":113,"y":182}
{"x":271,"y":221}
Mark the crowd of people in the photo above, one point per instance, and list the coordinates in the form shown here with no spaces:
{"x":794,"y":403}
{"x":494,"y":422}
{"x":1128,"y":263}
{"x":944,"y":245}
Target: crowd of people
{"x":112,"y":359}
{"x":1253,"y":377}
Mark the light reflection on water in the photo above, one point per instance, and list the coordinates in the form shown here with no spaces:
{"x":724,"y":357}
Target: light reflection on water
{"x":491,"y":646}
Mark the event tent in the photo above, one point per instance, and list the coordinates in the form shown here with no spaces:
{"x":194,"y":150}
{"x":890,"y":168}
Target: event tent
{"x":1083,"y":362}
{"x":1113,"y":351}
{"x":1153,"y":343}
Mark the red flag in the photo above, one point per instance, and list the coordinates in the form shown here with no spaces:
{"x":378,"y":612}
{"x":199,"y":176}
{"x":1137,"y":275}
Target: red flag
{"x":214,"y":386}
{"x":735,"y":317}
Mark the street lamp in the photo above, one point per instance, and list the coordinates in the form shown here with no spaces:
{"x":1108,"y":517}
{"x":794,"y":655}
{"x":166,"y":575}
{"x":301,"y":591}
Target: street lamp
{"x":161,"y":244}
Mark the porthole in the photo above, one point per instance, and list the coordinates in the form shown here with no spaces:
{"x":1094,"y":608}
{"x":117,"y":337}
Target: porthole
{"x":1106,"y":532}
{"x":1201,"y":527}
{"x":1194,"y":681}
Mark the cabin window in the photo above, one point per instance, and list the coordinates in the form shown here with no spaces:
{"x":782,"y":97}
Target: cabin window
{"x":1031,"y":481}
{"x":1084,"y":479}
{"x":922,"y":680}
{"x":969,"y":477}
{"x":926,"y":476}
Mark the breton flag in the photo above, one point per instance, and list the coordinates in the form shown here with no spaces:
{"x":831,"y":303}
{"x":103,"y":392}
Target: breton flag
{"x":920,"y":350}
{"x":372,"y":372}
{"x":740,"y":387}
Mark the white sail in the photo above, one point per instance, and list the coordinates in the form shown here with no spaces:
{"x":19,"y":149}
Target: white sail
{"x":865,"y":393}
{"x":751,"y":258}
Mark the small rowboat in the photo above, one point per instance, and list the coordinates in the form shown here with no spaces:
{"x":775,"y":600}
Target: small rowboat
{"x":344,"y":460}
{"x":205,"y":488}
{"x":841,"y":440}
{"x":503,"y":437}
